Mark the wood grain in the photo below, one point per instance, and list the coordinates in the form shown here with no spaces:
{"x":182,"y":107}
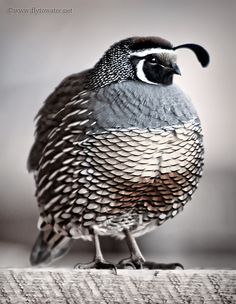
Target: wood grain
{"x":127,"y":286}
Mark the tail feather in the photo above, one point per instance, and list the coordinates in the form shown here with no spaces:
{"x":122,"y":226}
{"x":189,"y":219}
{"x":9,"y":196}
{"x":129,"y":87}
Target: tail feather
{"x":49,"y":246}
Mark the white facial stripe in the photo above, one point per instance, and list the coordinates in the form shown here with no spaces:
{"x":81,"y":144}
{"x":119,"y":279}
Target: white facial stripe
{"x":154,"y":51}
{"x":140,"y":73}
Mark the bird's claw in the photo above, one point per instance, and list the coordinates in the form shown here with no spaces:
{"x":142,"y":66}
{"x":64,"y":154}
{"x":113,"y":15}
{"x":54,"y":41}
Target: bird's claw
{"x":133,"y":263}
{"x":97,"y":264}
{"x":162,"y":266}
{"x":140,"y":264}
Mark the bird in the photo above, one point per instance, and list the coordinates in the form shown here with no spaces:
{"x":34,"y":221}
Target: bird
{"x":118,"y":151}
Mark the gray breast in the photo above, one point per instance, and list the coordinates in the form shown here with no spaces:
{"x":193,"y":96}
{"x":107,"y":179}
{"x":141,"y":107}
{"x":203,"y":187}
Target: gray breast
{"x":135,"y":104}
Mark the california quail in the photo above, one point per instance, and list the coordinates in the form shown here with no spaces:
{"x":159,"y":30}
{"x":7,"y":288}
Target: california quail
{"x":118,"y":151}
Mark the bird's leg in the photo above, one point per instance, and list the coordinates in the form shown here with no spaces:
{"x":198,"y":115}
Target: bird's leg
{"x":98,"y":262}
{"x":137,"y":260}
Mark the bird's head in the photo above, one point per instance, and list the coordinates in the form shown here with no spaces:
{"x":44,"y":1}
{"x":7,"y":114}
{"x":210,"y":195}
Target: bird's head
{"x":148,"y":59}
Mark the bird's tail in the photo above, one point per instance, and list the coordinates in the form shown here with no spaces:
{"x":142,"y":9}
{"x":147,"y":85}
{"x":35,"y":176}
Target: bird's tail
{"x":49,"y":246}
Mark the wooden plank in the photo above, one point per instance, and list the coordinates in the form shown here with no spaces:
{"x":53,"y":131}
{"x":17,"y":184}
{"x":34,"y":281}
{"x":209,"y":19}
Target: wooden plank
{"x":127,"y":286}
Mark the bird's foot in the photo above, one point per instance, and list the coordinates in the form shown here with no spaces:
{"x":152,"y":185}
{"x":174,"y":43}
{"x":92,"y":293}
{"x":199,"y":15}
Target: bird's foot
{"x":161,"y":266}
{"x":134,"y":263}
{"x":97,"y":264}
{"x":140,"y":264}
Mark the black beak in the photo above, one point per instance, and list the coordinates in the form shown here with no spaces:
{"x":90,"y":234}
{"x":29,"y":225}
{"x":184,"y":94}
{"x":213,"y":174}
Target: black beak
{"x":202,"y":55}
{"x":176,"y":69}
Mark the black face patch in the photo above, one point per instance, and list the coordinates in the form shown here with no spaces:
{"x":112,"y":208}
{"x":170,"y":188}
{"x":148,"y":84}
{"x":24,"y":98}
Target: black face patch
{"x":157,"y":73}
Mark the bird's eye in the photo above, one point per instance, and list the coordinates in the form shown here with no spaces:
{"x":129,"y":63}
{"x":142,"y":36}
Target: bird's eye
{"x":152,"y":59}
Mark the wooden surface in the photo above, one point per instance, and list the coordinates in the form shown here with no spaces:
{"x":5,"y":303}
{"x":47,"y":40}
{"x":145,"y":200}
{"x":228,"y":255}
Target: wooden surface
{"x":127,"y":286}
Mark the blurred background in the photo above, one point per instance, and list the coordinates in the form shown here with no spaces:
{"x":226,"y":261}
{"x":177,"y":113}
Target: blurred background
{"x":39,"y":49}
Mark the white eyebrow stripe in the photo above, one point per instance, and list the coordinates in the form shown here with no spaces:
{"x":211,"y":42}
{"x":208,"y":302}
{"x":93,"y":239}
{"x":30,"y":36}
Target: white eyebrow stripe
{"x":153,"y":51}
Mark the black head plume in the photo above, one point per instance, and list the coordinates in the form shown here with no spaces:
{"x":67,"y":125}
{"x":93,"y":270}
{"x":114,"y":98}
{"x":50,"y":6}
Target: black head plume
{"x":202,"y":55}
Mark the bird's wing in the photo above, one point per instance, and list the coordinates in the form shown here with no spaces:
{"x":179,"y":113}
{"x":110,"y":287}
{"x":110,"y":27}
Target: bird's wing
{"x":47,"y":118}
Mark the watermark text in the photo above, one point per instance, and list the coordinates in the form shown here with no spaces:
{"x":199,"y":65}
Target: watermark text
{"x":38,"y":11}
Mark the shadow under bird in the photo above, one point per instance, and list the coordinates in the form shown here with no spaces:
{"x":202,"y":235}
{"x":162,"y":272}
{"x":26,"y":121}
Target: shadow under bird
{"x":118,"y":150}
